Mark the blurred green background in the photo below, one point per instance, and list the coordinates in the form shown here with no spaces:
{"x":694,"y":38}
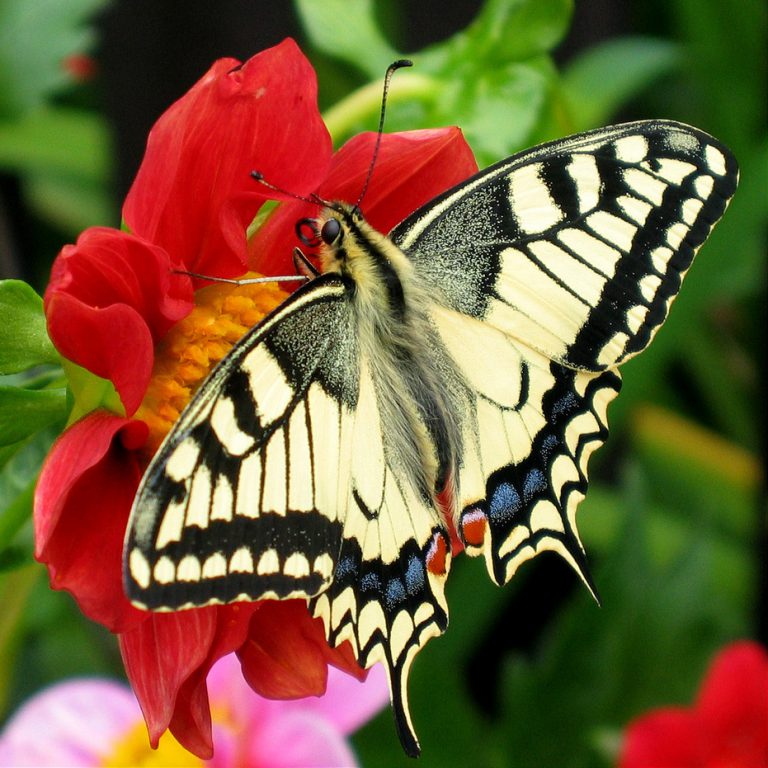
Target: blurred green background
{"x":675,"y":523}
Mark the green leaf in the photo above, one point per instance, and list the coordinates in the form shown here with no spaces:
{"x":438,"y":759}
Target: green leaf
{"x":24,"y":411}
{"x":604,"y":78}
{"x":347,"y":30}
{"x":35,"y":39}
{"x":504,"y":31}
{"x":17,"y":482}
{"x":495,"y":79}
{"x":520,"y":29}
{"x":24,"y":340}
{"x":500,"y":109}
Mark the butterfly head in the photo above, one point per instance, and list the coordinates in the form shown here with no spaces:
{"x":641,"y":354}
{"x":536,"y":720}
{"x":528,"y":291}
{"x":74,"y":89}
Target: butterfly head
{"x":342,"y":236}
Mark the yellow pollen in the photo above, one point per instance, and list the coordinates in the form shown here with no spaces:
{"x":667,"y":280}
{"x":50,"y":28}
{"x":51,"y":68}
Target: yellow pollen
{"x":223,"y":313}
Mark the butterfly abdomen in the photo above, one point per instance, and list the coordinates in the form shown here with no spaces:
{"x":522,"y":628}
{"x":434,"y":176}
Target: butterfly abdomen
{"x":416,"y":408}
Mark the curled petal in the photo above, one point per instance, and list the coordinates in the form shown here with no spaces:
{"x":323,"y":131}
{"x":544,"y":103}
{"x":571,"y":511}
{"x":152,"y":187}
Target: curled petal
{"x":81,"y":507}
{"x":108,"y":267}
{"x":194,"y":194}
{"x":111,"y":296}
{"x":411,"y":169}
{"x":167,"y":659}
{"x":286,"y":655}
{"x":191,"y":720}
{"x":160,"y":654}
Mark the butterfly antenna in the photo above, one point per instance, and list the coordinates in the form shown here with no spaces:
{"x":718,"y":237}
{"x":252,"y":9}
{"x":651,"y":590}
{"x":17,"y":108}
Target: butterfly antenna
{"x":391,"y":69}
{"x":243,"y":280}
{"x":314,"y":199}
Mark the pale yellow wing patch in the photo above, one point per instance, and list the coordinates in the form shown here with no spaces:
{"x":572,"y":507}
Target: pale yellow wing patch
{"x":524,"y":458}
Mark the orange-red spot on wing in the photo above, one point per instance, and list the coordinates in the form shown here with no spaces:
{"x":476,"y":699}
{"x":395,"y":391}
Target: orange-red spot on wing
{"x":473,"y":525}
{"x":436,"y":555}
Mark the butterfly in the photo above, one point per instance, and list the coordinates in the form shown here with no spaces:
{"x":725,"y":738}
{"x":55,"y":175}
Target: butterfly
{"x":459,"y":367}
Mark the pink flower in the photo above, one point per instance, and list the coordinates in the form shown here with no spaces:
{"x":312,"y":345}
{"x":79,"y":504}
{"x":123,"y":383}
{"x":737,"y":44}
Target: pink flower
{"x":93,"y":722}
{"x":726,"y":728}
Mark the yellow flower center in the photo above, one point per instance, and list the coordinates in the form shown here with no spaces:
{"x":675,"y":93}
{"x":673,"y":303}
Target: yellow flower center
{"x":222,"y":315}
{"x":133,"y":751}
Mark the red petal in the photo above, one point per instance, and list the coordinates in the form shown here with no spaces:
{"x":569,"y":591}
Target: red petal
{"x":194,"y":194}
{"x":282,"y":657}
{"x":113,"y":342}
{"x":665,"y":737}
{"x":110,"y":297}
{"x":81,"y":507}
{"x":286,"y":655}
{"x":191,"y":720}
{"x":343,"y":658}
{"x":160,"y":654}
{"x":733,"y":706}
{"x":412,"y":168}
{"x":108,"y":267}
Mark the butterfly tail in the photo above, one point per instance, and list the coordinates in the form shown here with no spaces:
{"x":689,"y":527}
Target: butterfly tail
{"x":398,"y":687}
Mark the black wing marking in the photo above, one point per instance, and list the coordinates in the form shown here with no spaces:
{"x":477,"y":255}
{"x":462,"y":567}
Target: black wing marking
{"x":278,"y":481}
{"x":529,"y":426}
{"x":576,"y":247}
{"x":237,"y":503}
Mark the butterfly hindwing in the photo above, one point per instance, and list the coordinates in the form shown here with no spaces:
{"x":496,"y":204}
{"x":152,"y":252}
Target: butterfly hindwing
{"x":530,"y":503}
{"x":390,"y":604}
{"x":529,"y":426}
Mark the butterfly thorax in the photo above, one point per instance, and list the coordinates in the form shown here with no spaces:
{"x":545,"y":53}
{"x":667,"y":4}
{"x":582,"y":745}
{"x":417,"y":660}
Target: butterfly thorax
{"x":389,"y":303}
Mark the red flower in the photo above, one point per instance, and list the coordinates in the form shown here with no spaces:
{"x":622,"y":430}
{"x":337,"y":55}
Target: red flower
{"x":110,"y":304}
{"x":726,"y":728}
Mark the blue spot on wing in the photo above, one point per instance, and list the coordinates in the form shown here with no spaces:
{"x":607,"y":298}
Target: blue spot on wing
{"x":370,"y":582}
{"x":395,"y":593}
{"x":414,"y":576}
{"x":535,"y":483}
{"x":565,"y":405}
{"x":345,"y":567}
{"x":548,"y":446}
{"x":505,"y":503}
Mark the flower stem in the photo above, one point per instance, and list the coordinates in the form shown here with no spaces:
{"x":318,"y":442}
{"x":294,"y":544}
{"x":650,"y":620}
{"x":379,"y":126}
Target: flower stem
{"x":347,"y":113}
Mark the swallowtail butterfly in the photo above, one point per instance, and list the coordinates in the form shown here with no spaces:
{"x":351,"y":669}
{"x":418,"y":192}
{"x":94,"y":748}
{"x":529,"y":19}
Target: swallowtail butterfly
{"x":472,"y":352}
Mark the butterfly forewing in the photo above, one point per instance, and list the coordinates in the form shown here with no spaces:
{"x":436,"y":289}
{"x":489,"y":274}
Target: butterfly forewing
{"x":576,"y":247}
{"x":235,"y":505}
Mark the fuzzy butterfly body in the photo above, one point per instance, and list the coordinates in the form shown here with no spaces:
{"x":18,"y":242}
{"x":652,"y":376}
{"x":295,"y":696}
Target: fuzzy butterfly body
{"x":469,"y":355}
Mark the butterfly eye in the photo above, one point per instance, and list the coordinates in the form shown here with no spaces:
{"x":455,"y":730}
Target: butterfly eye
{"x":306,"y":231}
{"x":330,"y":231}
